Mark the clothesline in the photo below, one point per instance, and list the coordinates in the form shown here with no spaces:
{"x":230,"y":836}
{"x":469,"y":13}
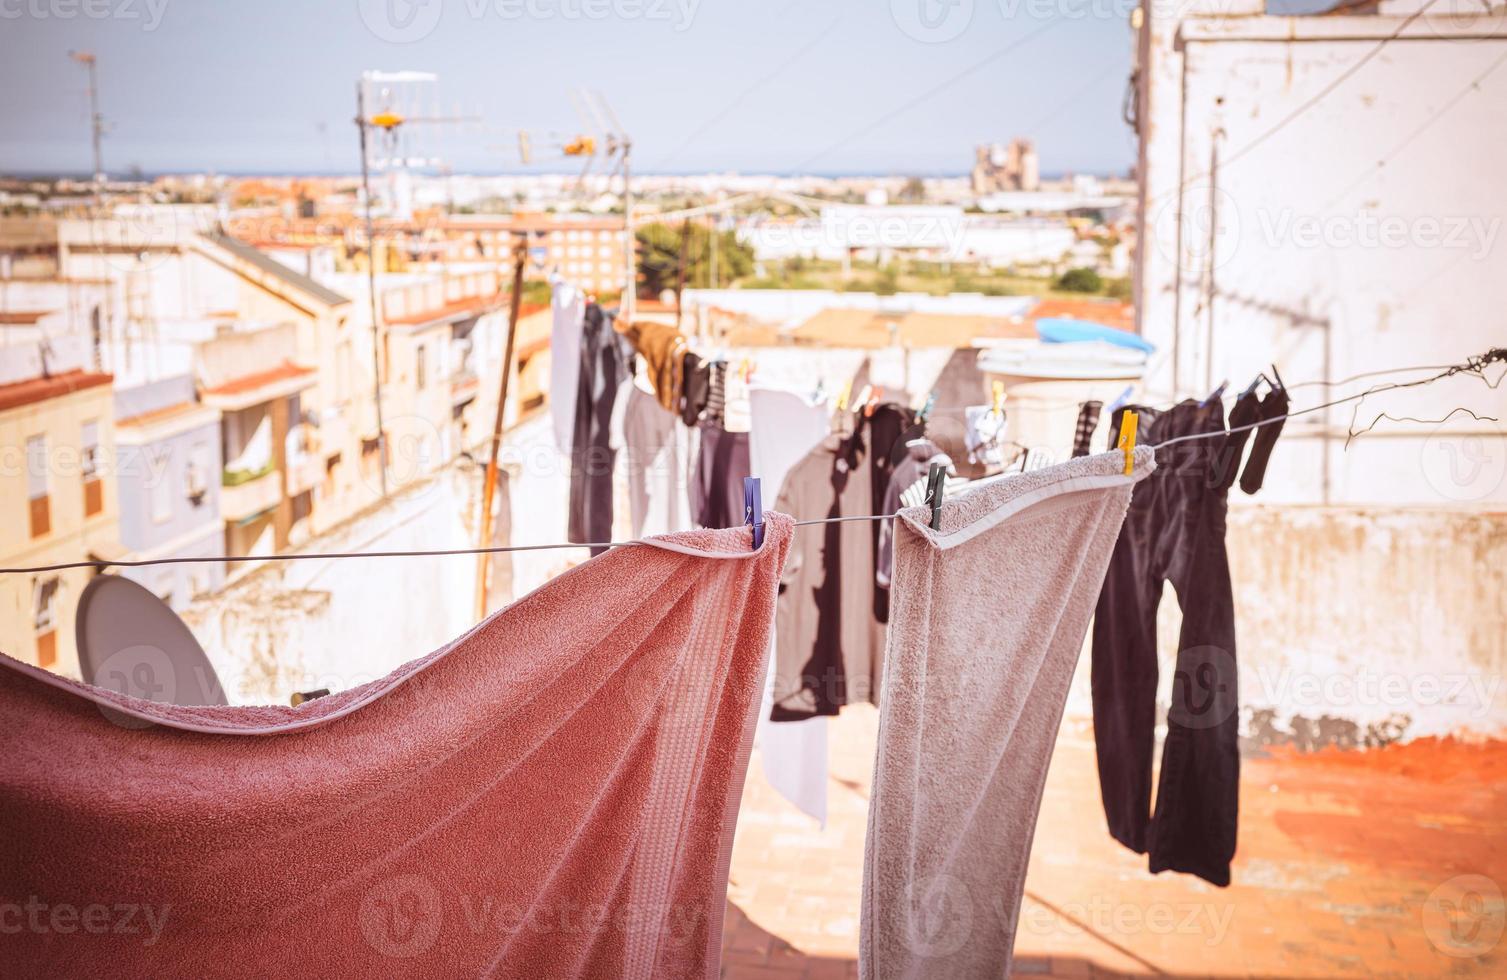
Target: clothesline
{"x":1472,"y":365}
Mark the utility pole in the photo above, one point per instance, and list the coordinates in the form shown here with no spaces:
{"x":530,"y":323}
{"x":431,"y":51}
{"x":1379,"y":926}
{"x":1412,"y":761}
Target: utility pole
{"x":489,"y":487}
{"x":363,"y":124}
{"x":96,"y":120}
{"x":631,"y":245}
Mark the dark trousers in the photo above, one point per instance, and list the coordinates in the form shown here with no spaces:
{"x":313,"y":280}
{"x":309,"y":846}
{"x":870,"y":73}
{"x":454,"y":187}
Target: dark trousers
{"x":1174,"y":532}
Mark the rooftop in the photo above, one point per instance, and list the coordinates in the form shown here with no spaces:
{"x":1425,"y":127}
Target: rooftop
{"x":277,"y":269}
{"x":35,"y":390}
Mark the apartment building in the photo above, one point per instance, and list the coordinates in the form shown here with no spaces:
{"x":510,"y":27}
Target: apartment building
{"x":168,"y":476}
{"x":179,"y":272}
{"x":56,"y":451}
{"x":586,"y":249}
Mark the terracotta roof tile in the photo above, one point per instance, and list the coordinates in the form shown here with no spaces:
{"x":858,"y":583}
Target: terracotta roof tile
{"x":41,"y":389}
{"x":251,"y":382}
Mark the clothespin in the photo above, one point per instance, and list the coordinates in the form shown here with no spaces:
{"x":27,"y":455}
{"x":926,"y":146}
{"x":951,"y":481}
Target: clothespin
{"x":999,"y":398}
{"x":873,"y":402}
{"x":1216,"y":394}
{"x":1128,"y":424}
{"x":842,"y":396}
{"x":1120,"y":399}
{"x":753,"y":509}
{"x":936,"y":479}
{"x":863,"y":397}
{"x":931,"y":403}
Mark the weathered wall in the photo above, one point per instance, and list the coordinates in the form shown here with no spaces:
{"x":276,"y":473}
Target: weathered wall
{"x":1324,"y":193}
{"x":1357,"y":627}
{"x":301,"y":625}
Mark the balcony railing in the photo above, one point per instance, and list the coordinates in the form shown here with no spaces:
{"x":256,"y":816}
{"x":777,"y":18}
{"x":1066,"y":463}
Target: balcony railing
{"x":245,"y":494}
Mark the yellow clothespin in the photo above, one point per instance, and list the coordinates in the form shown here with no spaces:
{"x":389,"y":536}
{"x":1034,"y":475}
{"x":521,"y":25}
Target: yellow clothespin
{"x":1128,"y":424}
{"x":842,"y":396}
{"x":999,"y":398}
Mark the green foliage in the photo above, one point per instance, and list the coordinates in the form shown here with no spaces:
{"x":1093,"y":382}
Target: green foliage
{"x":1117,"y":289}
{"x":659,"y":251}
{"x":1082,"y":280}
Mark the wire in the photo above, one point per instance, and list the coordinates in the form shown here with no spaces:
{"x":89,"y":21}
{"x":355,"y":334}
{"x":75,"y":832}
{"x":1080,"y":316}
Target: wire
{"x":940,"y":87}
{"x":1302,"y":107}
{"x":1474,"y":366}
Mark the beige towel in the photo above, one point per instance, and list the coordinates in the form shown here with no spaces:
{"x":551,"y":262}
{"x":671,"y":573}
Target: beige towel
{"x":988,"y":620}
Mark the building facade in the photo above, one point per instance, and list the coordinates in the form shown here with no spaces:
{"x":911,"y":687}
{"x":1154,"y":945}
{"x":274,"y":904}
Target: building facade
{"x":57,"y":442}
{"x":168,"y":476}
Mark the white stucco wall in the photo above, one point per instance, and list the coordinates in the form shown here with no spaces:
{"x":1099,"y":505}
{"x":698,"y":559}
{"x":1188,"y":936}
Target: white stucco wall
{"x":1331,"y":232}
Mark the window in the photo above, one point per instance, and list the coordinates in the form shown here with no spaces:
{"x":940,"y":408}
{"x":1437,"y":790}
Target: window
{"x":419,"y":373}
{"x":45,"y":620}
{"x":196,"y":474}
{"x":159,"y":486}
{"x":36,"y":485}
{"x":94,"y":487}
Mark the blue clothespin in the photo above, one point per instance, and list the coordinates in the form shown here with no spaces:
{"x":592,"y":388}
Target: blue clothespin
{"x":753,"y":509}
{"x":936,"y":479}
{"x":931,"y":403}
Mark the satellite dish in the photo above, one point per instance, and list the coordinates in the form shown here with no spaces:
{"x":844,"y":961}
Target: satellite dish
{"x":131,"y":642}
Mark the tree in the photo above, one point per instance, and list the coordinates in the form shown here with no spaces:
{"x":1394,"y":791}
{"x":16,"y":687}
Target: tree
{"x":659,"y":251}
{"x":1081,"y":280}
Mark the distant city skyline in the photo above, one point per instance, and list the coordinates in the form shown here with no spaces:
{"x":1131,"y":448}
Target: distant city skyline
{"x":827,"y":87}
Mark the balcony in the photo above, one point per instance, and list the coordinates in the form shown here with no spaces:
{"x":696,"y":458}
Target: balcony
{"x":244,"y":494}
{"x":304,"y":473}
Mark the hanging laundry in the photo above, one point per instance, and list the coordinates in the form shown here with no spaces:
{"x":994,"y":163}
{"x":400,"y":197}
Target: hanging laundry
{"x":606,"y":362}
{"x":721,"y":465}
{"x":663,"y":349}
{"x":1274,"y":406}
{"x":985,"y":436}
{"x":990,"y":613}
{"x":655,"y":447}
{"x":886,"y":424}
{"x":696,"y":387}
{"x":829,"y":646}
{"x":916,"y":462}
{"x":784,"y":427}
{"x":1174,"y":532}
{"x":716,"y":395}
{"x":1088,"y":421}
{"x":569,"y":307}
{"x":581,"y":751}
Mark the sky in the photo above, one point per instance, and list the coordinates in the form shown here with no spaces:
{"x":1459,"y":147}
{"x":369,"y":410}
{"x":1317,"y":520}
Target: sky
{"x":754,"y":86}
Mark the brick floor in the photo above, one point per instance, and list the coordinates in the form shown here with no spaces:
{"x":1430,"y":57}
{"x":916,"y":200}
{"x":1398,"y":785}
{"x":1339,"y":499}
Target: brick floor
{"x":1350,"y":864}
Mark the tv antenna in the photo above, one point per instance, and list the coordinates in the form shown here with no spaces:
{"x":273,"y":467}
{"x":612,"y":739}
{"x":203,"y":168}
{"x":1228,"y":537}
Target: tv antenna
{"x":398,"y":96}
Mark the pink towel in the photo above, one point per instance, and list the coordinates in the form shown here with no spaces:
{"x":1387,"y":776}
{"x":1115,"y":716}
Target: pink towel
{"x":986,"y":624}
{"x":551,"y":795}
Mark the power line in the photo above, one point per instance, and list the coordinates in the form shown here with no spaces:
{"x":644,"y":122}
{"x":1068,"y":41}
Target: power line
{"x":1302,"y":107}
{"x":934,"y":90}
